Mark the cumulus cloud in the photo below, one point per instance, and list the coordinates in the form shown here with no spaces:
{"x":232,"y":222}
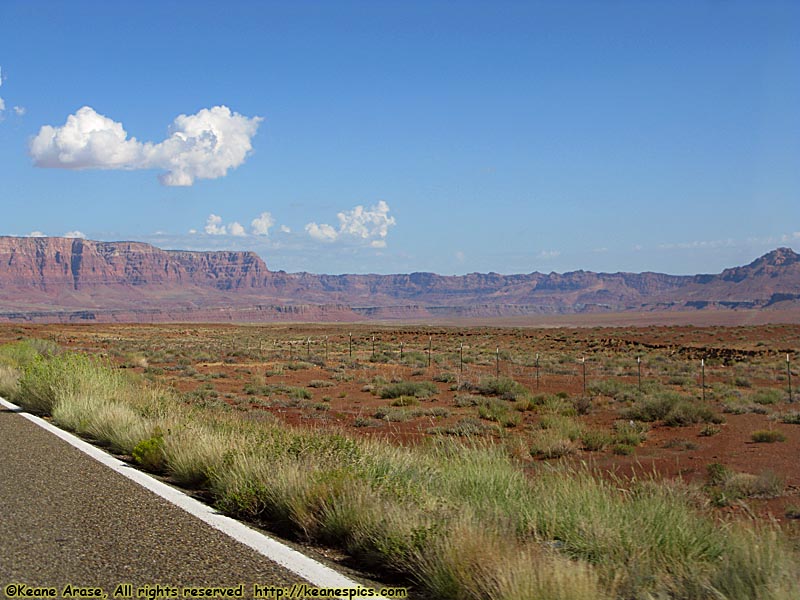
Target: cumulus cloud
{"x":323,"y":233}
{"x":236,"y":229}
{"x":20,"y":110}
{"x":2,"y":105}
{"x":285,"y":229}
{"x":75,"y":234}
{"x":214,"y":225}
{"x":262,"y":223}
{"x":36,"y":234}
{"x":369,"y":226}
{"x":204,"y":145}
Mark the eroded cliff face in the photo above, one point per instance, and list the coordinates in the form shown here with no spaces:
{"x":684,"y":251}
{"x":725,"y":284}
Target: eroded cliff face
{"x":88,"y":280}
{"x":53,"y":264}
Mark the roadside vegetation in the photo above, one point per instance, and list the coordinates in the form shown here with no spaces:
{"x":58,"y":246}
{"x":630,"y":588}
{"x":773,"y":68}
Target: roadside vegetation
{"x":455,"y":514}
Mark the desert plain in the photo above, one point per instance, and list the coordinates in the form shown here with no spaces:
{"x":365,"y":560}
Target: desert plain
{"x":625,"y":397}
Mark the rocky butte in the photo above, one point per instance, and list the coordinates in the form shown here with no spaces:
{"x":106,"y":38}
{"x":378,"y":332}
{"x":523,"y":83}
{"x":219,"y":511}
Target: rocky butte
{"x":64,"y":279}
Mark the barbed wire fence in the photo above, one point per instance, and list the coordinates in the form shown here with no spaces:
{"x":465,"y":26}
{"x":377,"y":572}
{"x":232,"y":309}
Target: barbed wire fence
{"x":542,"y":371}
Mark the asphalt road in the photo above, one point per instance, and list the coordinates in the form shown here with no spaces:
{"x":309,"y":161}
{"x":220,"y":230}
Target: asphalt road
{"x":66,"y":519}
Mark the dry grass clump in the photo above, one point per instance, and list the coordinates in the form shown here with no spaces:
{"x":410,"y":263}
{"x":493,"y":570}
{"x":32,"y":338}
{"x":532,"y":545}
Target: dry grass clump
{"x":550,"y":443}
{"x":9,"y":381}
{"x":475,"y":562}
{"x":726,"y":486}
{"x":193,"y":452}
{"x":111,"y":423}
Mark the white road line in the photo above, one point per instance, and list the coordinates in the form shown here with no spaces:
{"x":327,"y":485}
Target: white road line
{"x":309,"y":569}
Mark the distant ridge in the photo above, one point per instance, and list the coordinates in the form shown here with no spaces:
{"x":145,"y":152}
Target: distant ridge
{"x":65,"y":279}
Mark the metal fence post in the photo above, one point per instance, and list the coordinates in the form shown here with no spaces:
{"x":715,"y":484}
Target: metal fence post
{"x":789,"y":375}
{"x":703,"y":377}
{"x":639,"y":367}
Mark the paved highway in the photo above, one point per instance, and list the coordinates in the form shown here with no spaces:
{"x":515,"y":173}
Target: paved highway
{"x":67,"y":519}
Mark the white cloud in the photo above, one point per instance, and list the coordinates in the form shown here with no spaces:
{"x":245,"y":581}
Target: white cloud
{"x":236,"y":229}
{"x":214,"y":225}
{"x":36,"y":234}
{"x":200,"y":146}
{"x":548,"y":254}
{"x":322,"y":233}
{"x":367,"y":225}
{"x":262,"y":223}
{"x":285,"y":229}
{"x":18,"y":110}
{"x":192,"y":231}
{"x":698,"y":244}
{"x":75,"y":234}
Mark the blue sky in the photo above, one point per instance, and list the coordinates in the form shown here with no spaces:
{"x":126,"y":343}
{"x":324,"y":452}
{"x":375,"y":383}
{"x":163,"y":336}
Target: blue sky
{"x":400,"y":136}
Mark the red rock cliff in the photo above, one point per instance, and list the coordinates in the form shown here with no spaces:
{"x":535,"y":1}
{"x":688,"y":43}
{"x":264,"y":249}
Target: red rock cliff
{"x":50,"y":264}
{"x":38,"y":275}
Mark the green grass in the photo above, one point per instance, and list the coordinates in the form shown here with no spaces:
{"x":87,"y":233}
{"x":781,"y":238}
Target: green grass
{"x":502,"y":386}
{"x":791,"y":417}
{"x":629,"y":433}
{"x":457,"y":516}
{"x":9,"y":381}
{"x":393,"y":414}
{"x":673,"y":409}
{"x":320,"y":383}
{"x":270,"y":389}
{"x":467,"y":427}
{"x":465,"y":400}
{"x":498,"y":411}
{"x":405,"y":401}
{"x":616,"y":389}
{"x":594,"y":440}
{"x":417,"y":389}
{"x":740,"y":406}
{"x":766,"y":396}
{"x":19,"y":354}
{"x":767,"y":436}
{"x":567,"y":427}
{"x":550,"y":443}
